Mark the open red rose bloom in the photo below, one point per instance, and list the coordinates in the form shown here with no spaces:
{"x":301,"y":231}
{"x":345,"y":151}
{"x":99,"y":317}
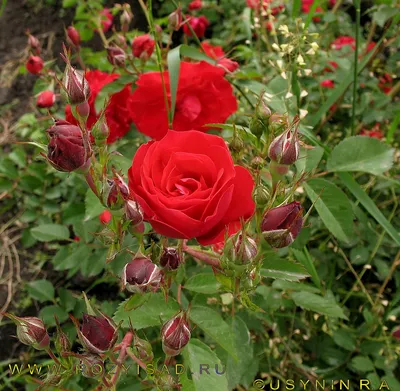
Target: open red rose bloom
{"x":204,"y":97}
{"x":189,"y":187}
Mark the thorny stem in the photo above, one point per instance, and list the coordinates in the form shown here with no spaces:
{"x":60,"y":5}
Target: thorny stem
{"x":53,"y":357}
{"x":124,"y":345}
{"x":137,"y":360}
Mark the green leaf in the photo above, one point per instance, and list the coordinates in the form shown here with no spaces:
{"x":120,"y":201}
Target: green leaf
{"x":362,"y":364}
{"x":41,"y":290}
{"x":75,"y":258}
{"x":305,"y":259}
{"x":283,"y":269}
{"x":369,"y":205}
{"x":333,"y":207}
{"x":344,"y":339}
{"x":316,"y":303}
{"x":93,"y":206}
{"x":198,"y":357}
{"x":69,"y":3}
{"x":47,"y":315}
{"x":49,"y":232}
{"x":309,"y":159}
{"x":296,"y":8}
{"x":294,"y":286}
{"x":202,"y":283}
{"x":152,"y":312}
{"x":361,"y":153}
{"x":174,"y":65}
{"x":213,"y":325}
{"x":237,"y":370}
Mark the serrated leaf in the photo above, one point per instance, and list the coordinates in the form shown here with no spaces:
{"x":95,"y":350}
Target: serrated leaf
{"x":47,"y":315}
{"x":283,"y":269}
{"x":316,"y":303}
{"x":198,"y":357}
{"x":202,"y":283}
{"x":93,"y":206}
{"x":41,"y":290}
{"x":49,"y":232}
{"x":152,"y":313}
{"x":333,"y":207}
{"x":360,"y":153}
{"x":213,"y":325}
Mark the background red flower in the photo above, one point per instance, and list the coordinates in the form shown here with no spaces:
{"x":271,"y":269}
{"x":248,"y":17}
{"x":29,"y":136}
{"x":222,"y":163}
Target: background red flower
{"x":203,"y":97}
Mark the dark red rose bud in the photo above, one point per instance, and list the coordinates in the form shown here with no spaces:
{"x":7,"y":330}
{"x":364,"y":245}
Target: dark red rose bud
{"x":75,"y":85}
{"x":280,"y":226}
{"x":285,"y":148}
{"x":175,"y":335}
{"x":198,"y":25}
{"x":34,"y":65}
{"x":116,"y":56}
{"x":396,"y":334}
{"x":175,"y":20}
{"x":66,"y":151}
{"x":133,"y":212}
{"x":73,"y":36}
{"x":83,"y":110}
{"x":105,"y":216}
{"x":34,"y":43}
{"x":31,"y":331}
{"x":195,"y":5}
{"x":45,"y":99}
{"x":143,"y":47}
{"x":91,"y":366}
{"x":170,"y":258}
{"x":141,"y":275}
{"x":98,"y":334}
{"x":143,"y":350}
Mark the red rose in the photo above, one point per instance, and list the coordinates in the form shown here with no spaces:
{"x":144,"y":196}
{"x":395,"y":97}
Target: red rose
{"x":333,"y":65}
{"x":340,"y":42}
{"x":195,"y":5}
{"x":45,"y":99}
{"x":327,"y":83}
{"x":228,"y":65}
{"x":143,"y":46}
{"x":117,"y":113}
{"x":215,"y":52}
{"x":203,"y":97}
{"x":34,"y":65}
{"x":306,"y":7}
{"x":375,"y":132}
{"x":189,"y":187}
{"x":106,"y":19}
{"x":257,"y":4}
{"x":198,"y":25}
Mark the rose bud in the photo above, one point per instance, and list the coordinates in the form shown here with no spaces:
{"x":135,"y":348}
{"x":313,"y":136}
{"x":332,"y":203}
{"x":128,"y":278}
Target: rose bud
{"x":260,"y":121}
{"x":31,"y":331}
{"x":175,"y":335}
{"x":125,"y":19}
{"x":97,"y":334}
{"x":396,"y":333}
{"x":285,"y":148}
{"x":133,"y":212}
{"x":244,"y":250}
{"x":170,"y":258}
{"x":34,"y":43}
{"x":327,"y":83}
{"x":175,"y":20}
{"x":143,"y":47}
{"x":62,"y":342}
{"x":91,"y":365}
{"x":106,"y":19}
{"x":105,"y":216}
{"x":66,"y":151}
{"x":195,"y":5}
{"x":198,"y":25}
{"x":34,"y":65}
{"x":261,"y":196}
{"x":141,"y":275}
{"x":280,"y":226}
{"x":45,"y":99}
{"x":116,"y":56}
{"x":143,"y":350}
{"x":73,"y":36}
{"x":76,"y":85}
{"x":228,"y":65}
